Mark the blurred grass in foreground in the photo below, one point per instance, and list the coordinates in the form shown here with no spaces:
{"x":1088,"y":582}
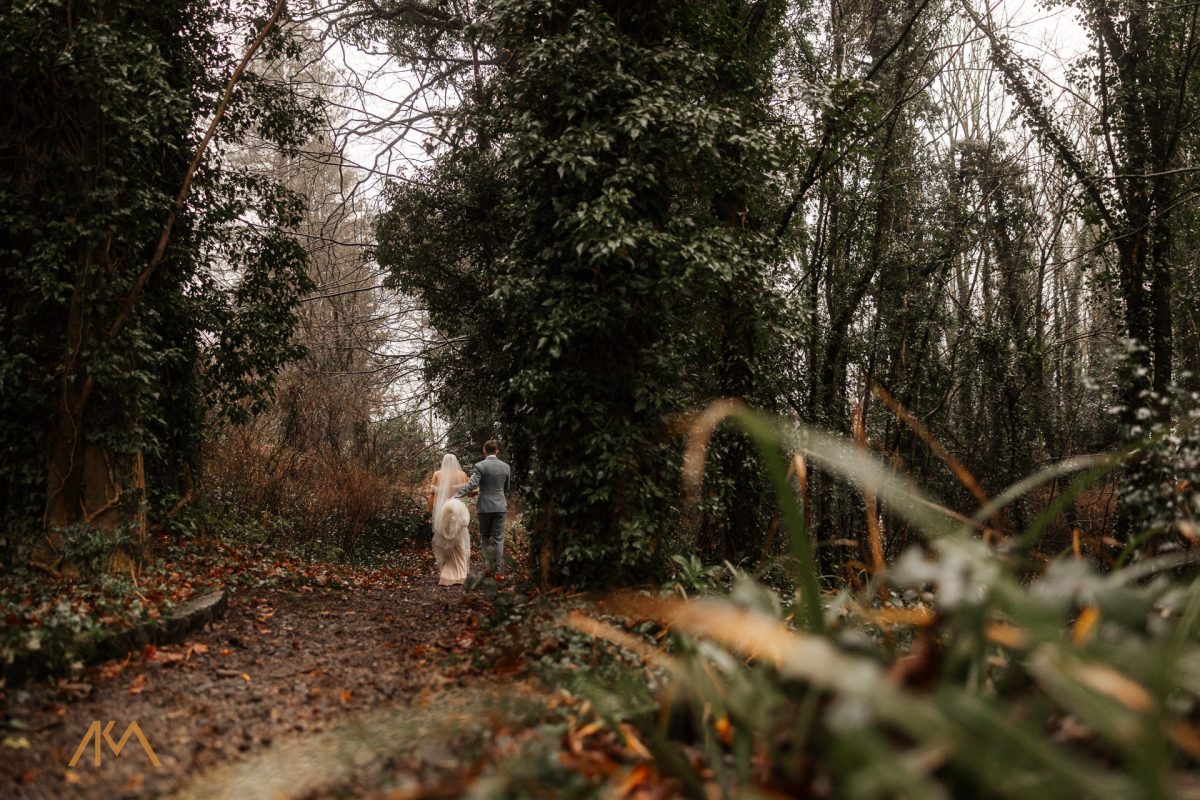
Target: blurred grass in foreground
{"x":958,"y":671}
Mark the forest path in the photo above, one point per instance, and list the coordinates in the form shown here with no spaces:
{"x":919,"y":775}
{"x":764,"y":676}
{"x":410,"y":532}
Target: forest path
{"x":287,"y":669}
{"x":416,"y":750}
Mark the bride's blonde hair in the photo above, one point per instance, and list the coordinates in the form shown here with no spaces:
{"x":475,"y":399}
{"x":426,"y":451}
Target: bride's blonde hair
{"x":448,"y":474}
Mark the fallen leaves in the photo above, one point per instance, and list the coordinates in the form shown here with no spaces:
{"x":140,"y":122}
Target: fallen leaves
{"x":1186,"y":739}
{"x":1006,"y":635}
{"x":72,"y":691}
{"x":724,"y":730}
{"x":637,"y":777}
{"x":112,"y":669}
{"x":618,"y":756}
{"x":168,"y":656}
{"x":361,"y":646}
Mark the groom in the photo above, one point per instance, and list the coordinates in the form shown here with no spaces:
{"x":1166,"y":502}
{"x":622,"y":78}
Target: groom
{"x":490,"y":478}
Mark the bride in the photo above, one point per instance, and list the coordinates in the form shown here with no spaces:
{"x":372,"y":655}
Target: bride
{"x":451,"y":539}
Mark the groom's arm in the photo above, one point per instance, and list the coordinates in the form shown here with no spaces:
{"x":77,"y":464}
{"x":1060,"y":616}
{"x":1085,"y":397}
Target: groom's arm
{"x":470,"y":485}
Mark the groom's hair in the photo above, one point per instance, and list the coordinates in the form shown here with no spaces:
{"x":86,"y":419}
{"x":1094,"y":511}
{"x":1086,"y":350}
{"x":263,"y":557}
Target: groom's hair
{"x":491,"y":447}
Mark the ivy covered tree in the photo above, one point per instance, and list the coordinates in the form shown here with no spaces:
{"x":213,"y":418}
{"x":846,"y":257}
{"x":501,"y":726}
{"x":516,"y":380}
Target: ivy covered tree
{"x":1135,"y":179}
{"x":120,"y":327}
{"x":594,"y":240}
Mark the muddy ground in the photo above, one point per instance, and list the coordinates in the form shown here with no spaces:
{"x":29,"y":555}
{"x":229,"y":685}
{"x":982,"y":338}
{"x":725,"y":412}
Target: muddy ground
{"x":285,"y":665}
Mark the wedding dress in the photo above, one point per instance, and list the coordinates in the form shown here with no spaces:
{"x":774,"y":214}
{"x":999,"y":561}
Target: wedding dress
{"x":451,"y":521}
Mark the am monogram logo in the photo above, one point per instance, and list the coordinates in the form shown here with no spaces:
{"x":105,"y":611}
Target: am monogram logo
{"x":95,"y":734}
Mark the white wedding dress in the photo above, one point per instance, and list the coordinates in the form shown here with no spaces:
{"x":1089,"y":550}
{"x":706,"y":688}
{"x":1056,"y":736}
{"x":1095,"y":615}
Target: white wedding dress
{"x":451,"y":527}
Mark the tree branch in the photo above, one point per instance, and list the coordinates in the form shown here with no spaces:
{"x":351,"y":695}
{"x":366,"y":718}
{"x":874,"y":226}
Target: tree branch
{"x":811,"y":173}
{"x":1040,"y":120}
{"x":160,"y":251}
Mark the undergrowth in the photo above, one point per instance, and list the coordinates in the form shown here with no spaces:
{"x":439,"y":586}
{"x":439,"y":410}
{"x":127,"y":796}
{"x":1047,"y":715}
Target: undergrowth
{"x":961,"y":669}
{"x":56,"y":624}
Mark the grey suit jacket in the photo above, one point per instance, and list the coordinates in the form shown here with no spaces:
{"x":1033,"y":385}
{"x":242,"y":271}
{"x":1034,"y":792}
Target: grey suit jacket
{"x":490,"y":477}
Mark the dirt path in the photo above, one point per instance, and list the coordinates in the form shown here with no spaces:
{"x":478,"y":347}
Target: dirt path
{"x":283,"y":665}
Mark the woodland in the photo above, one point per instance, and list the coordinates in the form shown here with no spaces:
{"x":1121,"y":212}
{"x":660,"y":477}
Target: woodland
{"x":846,"y":356}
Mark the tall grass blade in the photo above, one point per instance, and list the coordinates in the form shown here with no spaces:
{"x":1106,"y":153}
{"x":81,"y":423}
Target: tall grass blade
{"x":964,"y":475}
{"x":1030,"y":482}
{"x":766,"y":438}
{"x":874,"y":533}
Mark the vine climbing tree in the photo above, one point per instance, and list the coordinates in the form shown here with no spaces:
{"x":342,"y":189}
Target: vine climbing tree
{"x":120,"y":220}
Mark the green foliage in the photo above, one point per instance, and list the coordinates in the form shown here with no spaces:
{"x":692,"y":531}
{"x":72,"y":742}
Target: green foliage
{"x":106,"y":106}
{"x":1047,"y":714}
{"x":962,"y":679}
{"x":692,"y":576}
{"x":62,"y":627}
{"x":1159,"y":496}
{"x":89,"y":549}
{"x":600,"y":224}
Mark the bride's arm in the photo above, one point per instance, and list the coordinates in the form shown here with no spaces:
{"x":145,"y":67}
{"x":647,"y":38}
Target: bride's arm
{"x":432,"y":490}
{"x":470,"y":486}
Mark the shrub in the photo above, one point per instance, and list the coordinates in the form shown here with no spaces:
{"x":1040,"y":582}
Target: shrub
{"x":323,"y":502}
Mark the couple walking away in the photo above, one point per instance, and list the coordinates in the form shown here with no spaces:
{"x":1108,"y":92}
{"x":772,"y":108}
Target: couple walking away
{"x":451,"y":518}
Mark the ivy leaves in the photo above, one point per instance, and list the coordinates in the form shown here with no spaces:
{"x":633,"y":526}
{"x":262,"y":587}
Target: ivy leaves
{"x":600,"y":264}
{"x":107,"y":103}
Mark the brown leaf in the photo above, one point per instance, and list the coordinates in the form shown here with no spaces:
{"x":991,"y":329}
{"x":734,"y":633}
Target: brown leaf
{"x":724,"y":730}
{"x":634,"y":743}
{"x":138,"y":684}
{"x":637,"y":776}
{"x":113,"y":668}
{"x":170,"y":657}
{"x":918,"y":616}
{"x":1186,"y":739}
{"x":1006,"y":635}
{"x":1119,"y":687}
{"x":1081,"y":631}
{"x":195,"y":648}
